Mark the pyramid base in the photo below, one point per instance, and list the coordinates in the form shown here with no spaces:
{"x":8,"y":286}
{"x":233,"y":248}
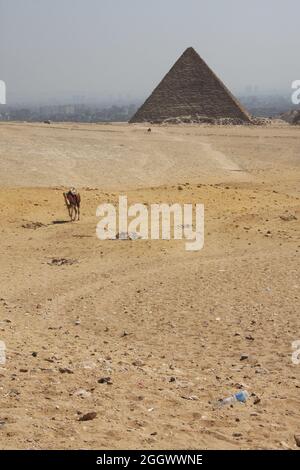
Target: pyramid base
{"x":224,"y":121}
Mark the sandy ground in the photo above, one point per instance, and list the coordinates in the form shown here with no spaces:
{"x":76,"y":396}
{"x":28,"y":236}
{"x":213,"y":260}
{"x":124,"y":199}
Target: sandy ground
{"x":169,"y":327}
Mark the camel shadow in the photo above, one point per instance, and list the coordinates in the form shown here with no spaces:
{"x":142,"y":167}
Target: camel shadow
{"x":58,"y":222}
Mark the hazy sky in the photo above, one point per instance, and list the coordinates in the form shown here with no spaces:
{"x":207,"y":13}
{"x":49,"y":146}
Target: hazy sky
{"x":122,"y":48}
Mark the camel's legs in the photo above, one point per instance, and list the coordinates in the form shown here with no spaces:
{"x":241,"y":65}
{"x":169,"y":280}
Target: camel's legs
{"x":71,"y":212}
{"x":69,"y":206}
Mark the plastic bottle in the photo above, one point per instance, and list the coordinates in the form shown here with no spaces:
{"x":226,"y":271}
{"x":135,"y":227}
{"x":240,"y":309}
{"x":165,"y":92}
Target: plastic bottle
{"x":241,"y":397}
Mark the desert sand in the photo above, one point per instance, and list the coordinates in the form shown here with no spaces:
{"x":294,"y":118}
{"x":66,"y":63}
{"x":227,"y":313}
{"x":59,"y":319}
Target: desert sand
{"x":169,"y":327}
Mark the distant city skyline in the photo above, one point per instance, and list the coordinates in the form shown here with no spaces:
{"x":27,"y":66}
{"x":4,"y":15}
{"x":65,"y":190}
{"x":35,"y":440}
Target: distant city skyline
{"x":119,"y":99}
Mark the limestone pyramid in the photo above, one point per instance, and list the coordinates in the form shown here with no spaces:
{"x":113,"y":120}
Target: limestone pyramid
{"x":190,"y":90}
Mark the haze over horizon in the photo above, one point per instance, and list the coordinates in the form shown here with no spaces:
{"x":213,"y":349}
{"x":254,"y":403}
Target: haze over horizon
{"x":97,"y":51}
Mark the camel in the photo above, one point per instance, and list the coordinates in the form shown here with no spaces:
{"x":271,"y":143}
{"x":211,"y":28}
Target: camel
{"x":72,"y":200}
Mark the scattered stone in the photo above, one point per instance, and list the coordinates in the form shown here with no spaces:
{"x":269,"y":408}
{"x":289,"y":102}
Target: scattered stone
{"x":192,"y":398}
{"x":244,"y":357}
{"x":82,"y":393}
{"x":292,"y":117}
{"x":261,"y":370}
{"x":288,"y":218}
{"x":89,"y":365}
{"x":256,"y":400}
{"x":138,"y":363}
{"x":33,"y":225}
{"x":88,"y":416}
{"x":105,"y":380}
{"x":250,"y":338}
{"x":172,"y":379}
{"x":65,"y":370}
{"x":34,"y":354}
{"x":62,"y":262}
{"x":297,"y":439}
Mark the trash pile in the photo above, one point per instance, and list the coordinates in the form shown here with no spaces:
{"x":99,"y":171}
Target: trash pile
{"x":127,"y":236}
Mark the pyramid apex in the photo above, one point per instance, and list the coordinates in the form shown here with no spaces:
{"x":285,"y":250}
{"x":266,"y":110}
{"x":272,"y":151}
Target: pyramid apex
{"x":190,"y":49}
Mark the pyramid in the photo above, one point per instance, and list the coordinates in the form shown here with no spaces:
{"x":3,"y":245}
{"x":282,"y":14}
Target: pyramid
{"x":192,"y":91}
